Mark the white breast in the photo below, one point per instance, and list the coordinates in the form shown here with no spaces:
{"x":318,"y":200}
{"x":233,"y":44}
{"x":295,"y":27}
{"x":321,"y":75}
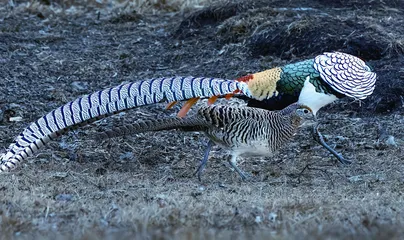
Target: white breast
{"x":314,"y":100}
{"x":257,"y":148}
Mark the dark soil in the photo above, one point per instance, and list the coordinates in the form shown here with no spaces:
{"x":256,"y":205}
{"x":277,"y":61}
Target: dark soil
{"x":143,"y":185}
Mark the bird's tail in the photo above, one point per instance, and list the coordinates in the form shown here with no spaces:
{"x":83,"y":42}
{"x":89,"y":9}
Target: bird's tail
{"x":185,"y":124}
{"x":110,"y":101}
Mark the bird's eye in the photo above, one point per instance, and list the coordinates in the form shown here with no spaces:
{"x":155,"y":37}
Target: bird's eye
{"x":368,"y":68}
{"x":306,"y":111}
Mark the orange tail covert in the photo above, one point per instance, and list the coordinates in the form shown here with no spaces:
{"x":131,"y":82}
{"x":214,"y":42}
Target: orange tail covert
{"x":187,"y":106}
{"x":212,"y":100}
{"x":246,"y":78}
{"x":171,"y":105}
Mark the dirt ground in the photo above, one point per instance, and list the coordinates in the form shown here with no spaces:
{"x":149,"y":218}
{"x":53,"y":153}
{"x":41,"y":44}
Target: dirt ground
{"x":143,"y":186}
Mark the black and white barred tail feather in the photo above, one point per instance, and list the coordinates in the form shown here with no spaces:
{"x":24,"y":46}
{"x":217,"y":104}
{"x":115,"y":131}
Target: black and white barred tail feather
{"x":94,"y":106}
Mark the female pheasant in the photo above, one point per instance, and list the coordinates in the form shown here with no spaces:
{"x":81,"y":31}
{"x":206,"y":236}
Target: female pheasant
{"x":240,"y":130}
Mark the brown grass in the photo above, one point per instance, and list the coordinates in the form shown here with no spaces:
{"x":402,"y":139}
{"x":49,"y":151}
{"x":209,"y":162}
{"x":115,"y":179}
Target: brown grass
{"x":142,"y":186}
{"x":48,"y":8}
{"x":156,"y":195}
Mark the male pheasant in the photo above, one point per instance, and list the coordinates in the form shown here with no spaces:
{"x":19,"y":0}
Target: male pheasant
{"x":314,"y":83}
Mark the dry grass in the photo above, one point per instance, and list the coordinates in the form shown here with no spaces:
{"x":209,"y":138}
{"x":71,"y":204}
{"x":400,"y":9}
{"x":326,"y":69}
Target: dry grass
{"x":142,"y":186}
{"x":154,"y":194}
{"x":49,"y":8}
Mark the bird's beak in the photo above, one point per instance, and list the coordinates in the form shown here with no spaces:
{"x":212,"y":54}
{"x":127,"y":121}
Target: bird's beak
{"x":308,"y":123}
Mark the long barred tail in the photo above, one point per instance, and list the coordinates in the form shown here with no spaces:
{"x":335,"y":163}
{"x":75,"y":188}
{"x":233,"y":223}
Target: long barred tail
{"x":186,"y":124}
{"x":94,"y":106}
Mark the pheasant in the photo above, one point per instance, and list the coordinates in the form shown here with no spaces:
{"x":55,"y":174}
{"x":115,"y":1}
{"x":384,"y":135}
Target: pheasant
{"x":314,"y":83}
{"x":242,"y":130}
{"x":333,"y":75}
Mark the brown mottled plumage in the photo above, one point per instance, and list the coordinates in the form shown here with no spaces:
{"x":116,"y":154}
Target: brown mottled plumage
{"x":241,"y":130}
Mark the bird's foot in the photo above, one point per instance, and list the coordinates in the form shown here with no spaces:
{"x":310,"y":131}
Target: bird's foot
{"x":245,"y":177}
{"x":204,"y":161}
{"x":199,"y":171}
{"x":320,"y":139}
{"x":340,"y":158}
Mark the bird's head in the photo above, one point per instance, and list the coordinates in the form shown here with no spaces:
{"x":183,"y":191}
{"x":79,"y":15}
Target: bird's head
{"x":302,"y":115}
{"x":299,"y":113}
{"x":305,"y":113}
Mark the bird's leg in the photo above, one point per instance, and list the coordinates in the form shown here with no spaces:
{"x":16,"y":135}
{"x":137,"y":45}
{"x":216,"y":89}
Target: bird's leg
{"x":320,"y":139}
{"x":204,"y":160}
{"x":233,"y":164}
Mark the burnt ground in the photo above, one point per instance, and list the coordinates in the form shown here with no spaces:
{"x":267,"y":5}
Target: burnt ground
{"x":142,"y":186}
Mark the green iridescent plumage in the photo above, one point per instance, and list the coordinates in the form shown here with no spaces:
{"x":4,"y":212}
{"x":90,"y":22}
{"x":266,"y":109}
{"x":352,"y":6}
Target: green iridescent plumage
{"x":293,"y":77}
{"x":291,"y":83}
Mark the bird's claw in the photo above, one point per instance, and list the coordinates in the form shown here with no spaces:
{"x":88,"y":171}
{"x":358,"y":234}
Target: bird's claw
{"x":318,"y":137}
{"x":198,"y":171}
{"x":203,"y":161}
{"x":245,"y":177}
